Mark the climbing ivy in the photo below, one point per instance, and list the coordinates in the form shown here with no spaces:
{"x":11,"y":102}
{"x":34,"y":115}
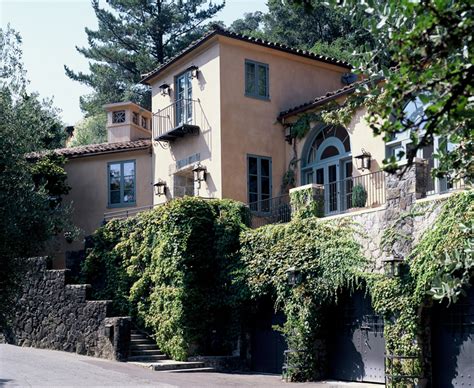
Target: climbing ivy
{"x":173,"y":269}
{"x":330,"y":260}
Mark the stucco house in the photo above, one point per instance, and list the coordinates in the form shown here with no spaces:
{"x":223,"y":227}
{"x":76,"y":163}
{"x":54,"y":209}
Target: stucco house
{"x":221,"y":127}
{"x":112,"y":179}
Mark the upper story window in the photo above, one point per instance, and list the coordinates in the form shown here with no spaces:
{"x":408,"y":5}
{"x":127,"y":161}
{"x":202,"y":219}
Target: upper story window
{"x":135,"y":117}
{"x":121,"y":185}
{"x":256,"y":79}
{"x":118,"y":116}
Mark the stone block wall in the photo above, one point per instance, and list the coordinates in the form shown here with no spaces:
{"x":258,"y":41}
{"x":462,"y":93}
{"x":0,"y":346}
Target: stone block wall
{"x":51,"y":314}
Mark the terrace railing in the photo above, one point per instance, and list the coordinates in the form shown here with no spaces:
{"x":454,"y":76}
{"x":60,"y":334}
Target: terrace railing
{"x":125,"y":213}
{"x":338,"y":197}
{"x":270,"y":211}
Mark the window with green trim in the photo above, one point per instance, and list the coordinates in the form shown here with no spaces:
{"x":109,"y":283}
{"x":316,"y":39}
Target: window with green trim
{"x":121,"y":183}
{"x":259,"y":181}
{"x":256,"y":79}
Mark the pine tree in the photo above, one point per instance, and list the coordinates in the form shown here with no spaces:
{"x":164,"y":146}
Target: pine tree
{"x":134,"y":37}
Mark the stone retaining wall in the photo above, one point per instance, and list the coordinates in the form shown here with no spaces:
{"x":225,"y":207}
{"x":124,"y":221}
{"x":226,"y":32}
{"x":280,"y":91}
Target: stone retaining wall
{"x":54,"y":315}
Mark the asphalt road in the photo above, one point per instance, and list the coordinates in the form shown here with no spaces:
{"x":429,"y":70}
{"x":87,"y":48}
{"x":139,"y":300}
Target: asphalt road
{"x":29,"y":367}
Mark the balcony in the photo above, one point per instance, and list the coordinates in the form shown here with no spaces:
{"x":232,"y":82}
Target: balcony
{"x":181,"y":118}
{"x":355,"y":193}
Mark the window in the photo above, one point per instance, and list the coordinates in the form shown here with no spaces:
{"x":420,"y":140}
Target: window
{"x":144,"y":123}
{"x":135,"y":118}
{"x":256,"y":79}
{"x":118,"y":116}
{"x":259,"y":173}
{"x":121,"y":183}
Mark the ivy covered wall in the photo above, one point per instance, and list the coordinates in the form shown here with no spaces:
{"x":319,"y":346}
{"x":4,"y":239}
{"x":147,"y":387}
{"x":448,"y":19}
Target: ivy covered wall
{"x":174,"y":270}
{"x":189,"y":270}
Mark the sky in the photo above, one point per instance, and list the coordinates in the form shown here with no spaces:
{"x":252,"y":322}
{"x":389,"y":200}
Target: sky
{"x":52,"y":29}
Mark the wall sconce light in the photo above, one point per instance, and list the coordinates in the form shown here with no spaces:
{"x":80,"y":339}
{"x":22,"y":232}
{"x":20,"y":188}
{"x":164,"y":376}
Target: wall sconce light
{"x":392,"y":265}
{"x":199,"y":172}
{"x":160,"y":188}
{"x":165,"y":89}
{"x":294,"y":276}
{"x":194,"y":70}
{"x":363,"y":160}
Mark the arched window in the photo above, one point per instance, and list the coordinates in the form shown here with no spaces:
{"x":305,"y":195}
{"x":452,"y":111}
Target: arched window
{"x":327,"y":160}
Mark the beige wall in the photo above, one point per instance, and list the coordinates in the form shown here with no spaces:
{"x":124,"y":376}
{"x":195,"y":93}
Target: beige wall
{"x":248,"y":124}
{"x":207,"y":142}
{"x":238,"y":125}
{"x":87,"y":177}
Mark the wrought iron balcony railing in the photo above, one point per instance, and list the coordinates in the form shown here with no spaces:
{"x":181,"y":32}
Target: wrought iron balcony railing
{"x":182,"y":117}
{"x":338,"y":197}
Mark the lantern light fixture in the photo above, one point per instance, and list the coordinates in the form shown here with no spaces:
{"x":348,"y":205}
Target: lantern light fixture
{"x":294,"y":276}
{"x":200,"y":173}
{"x":160,"y":188}
{"x":194,"y":70}
{"x":165,"y":89}
{"x":363,"y":160}
{"x":392,"y":265}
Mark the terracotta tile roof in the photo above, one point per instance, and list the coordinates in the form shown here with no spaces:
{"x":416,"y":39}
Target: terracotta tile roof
{"x":261,"y":42}
{"x":322,"y":100}
{"x":96,"y":149}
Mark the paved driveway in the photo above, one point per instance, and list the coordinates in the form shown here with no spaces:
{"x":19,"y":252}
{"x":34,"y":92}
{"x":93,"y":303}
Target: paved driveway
{"x":29,"y":367}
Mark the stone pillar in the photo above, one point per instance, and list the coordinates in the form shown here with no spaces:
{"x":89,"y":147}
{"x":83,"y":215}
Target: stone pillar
{"x":307,"y":201}
{"x":404,"y":190}
{"x":115,"y":341}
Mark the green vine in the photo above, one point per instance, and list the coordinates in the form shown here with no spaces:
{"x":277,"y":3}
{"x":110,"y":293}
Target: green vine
{"x":330,"y":261}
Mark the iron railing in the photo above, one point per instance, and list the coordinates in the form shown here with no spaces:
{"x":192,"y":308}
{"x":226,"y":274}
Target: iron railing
{"x":270,"y":211}
{"x":363,"y":191}
{"x":339,"y":197}
{"x":181,"y":117}
{"x":125,"y":213}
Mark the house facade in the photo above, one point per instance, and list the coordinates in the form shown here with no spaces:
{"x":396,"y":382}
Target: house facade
{"x":108,"y":180}
{"x":217,"y":104}
{"x":221,"y":127}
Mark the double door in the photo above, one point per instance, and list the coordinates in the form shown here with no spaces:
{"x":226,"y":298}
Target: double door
{"x":357,"y":347}
{"x":336,"y":177}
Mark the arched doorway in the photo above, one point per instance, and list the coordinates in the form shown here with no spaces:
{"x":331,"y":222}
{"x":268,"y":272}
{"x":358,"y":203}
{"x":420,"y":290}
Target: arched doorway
{"x":327,"y":160}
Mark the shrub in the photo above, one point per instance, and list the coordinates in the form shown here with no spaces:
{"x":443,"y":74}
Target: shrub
{"x":359,"y":196}
{"x":173,"y":269}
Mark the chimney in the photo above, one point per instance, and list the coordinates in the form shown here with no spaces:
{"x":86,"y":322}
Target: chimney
{"x":127,"y":121}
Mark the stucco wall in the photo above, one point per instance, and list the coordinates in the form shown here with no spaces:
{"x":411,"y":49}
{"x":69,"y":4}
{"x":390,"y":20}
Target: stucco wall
{"x":87,"y":177}
{"x":248,"y":124}
{"x":205,"y":89}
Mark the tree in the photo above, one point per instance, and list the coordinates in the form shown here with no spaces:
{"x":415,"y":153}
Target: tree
{"x":314,"y":28}
{"x":430,"y":46}
{"x":29,"y":194}
{"x":90,"y":130}
{"x":134,"y":36}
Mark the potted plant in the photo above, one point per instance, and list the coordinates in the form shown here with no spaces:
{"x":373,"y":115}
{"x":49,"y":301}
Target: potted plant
{"x":359,"y":196}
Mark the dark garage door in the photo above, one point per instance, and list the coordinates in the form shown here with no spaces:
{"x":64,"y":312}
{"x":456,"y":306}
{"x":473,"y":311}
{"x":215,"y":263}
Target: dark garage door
{"x":453,"y":343}
{"x":356,"y":346}
{"x":267,"y":345}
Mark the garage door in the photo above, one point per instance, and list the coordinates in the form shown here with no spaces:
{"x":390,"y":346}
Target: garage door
{"x":357,"y":344}
{"x":453,"y":343}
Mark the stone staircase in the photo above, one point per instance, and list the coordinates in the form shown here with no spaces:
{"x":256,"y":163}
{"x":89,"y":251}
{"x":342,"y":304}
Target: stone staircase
{"x":144,"y":352}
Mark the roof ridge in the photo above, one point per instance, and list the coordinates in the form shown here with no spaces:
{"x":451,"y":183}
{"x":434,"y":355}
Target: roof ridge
{"x":93,"y":148}
{"x":219,"y":30}
{"x":321,"y":100}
